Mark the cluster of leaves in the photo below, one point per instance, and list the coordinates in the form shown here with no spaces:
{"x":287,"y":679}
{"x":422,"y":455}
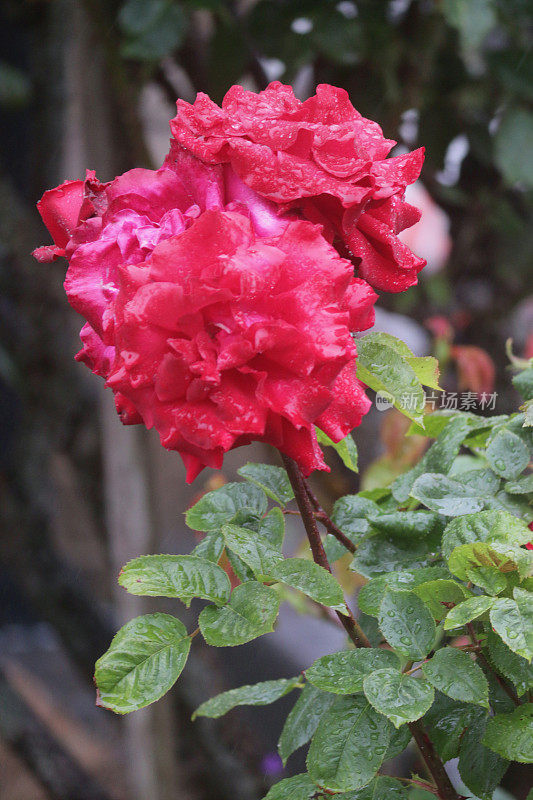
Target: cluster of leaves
{"x":447,"y":607}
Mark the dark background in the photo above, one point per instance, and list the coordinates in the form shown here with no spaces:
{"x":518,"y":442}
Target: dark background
{"x":93,"y":84}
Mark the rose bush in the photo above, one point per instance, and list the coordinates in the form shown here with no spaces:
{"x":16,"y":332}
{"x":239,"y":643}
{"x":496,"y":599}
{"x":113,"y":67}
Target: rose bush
{"x":213,"y":317}
{"x":320,"y":157}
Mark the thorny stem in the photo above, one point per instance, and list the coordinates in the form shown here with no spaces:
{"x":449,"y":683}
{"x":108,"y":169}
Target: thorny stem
{"x":307,"y":503}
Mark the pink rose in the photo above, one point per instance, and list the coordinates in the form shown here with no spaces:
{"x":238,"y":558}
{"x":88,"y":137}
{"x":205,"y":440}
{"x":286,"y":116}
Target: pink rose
{"x":321,"y":158}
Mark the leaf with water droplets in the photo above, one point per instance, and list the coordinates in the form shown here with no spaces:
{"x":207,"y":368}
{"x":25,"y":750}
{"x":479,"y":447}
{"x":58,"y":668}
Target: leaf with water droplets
{"x":346,"y":449}
{"x":255,"y":549}
{"x":271,"y":479}
{"x":487,"y":526}
{"x":303,"y":720}
{"x":465,"y":612}
{"x":344,"y":672}
{"x":311,"y":579}
{"x":481,"y":769}
{"x":511,"y":735}
{"x":454,"y":673}
{"x":233,"y":501}
{"x":401,"y":698}
{"x":512,"y":619}
{"x":349,"y":745}
{"x":144,"y":660}
{"x":251,"y":612}
{"x":512,"y":666}
{"x":259,"y":694}
{"x":176,"y":576}
{"x":507,"y":454}
{"x":445,"y":495}
{"x":407,"y":624}
{"x":371,"y":594}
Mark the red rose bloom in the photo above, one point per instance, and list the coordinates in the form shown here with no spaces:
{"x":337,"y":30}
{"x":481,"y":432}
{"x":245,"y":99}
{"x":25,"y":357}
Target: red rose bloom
{"x":214,"y":316}
{"x":320,"y":157}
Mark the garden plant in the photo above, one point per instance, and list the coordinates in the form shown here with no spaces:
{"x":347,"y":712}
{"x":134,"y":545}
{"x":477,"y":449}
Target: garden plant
{"x":226,"y":297}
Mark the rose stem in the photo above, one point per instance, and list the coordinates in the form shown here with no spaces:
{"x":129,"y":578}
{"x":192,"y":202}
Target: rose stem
{"x":350,"y":625}
{"x":353,"y":629}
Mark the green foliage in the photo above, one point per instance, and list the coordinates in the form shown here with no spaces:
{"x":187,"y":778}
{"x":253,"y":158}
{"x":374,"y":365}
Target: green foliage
{"x":251,"y":612}
{"x":448,"y":608}
{"x":401,"y":698}
{"x":311,"y":579}
{"x":144,"y":660}
{"x":454,"y":674}
{"x":235,"y":503}
{"x":152,"y":28}
{"x":511,"y":735}
{"x":303,"y":719}
{"x":387,"y":365}
{"x":344,"y":672}
{"x":349,"y":745}
{"x":407,"y":624}
{"x":480,"y":769}
{"x":176,"y":576}
{"x":272,"y":480}
{"x":260,"y":694}
{"x":346,"y":449}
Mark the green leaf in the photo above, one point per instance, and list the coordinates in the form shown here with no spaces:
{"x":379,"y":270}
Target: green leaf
{"x":480,"y":768}
{"x":465,"y":612}
{"x":299,"y":787}
{"x":383,"y":368}
{"x":153,"y":28}
{"x":445,"y":495}
{"x":437,"y":595}
{"x":272,"y":480}
{"x":241,"y":570}
{"x":144,"y":660}
{"x":210,"y":548}
{"x":176,"y":576}
{"x":370,"y":596}
{"x":507,"y":454}
{"x":446,"y":721}
{"x":511,"y":735}
{"x":251,"y":612}
{"x":487,"y":526}
{"x":509,"y":664}
{"x":234,"y":500}
{"x":378,"y":554}
{"x":344,"y":672}
{"x":260,"y":694}
{"x":303,"y":719}
{"x":407,"y":524}
{"x":253,"y":548}
{"x":273,"y":527}
{"x":381,"y":788}
{"x":311,"y":579}
{"x":523,"y":485}
{"x":401,"y":698}
{"x":487,"y":563}
{"x":514,"y":137}
{"x":346,"y":449}
{"x":349,"y":745}
{"x":400,"y":738}
{"x":512,"y":619}
{"x":438,"y":459}
{"x":407,"y":624}
{"x":523,"y":383}
{"x":349,"y":514}
{"x":454,"y":674}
